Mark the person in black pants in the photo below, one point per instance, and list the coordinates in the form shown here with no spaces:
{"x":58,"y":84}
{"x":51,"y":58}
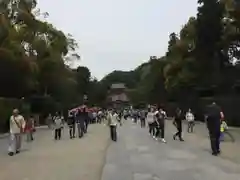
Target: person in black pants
{"x":58,"y":121}
{"x":161,"y":116}
{"x":151,"y":121}
{"x":143,"y":118}
{"x":71,"y":125}
{"x":112,"y":119}
{"x":58,"y":133}
{"x":81,"y":117}
{"x":213,"y":120}
{"x":178,"y":123}
{"x":87,"y":120}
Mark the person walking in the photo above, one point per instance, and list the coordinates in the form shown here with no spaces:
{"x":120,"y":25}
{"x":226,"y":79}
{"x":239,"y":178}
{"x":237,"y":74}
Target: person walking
{"x":17,"y":125}
{"x":120,"y":117}
{"x":29,"y":128}
{"x":151,"y":120}
{"x":86,"y":120}
{"x":58,"y":125}
{"x":178,"y":123}
{"x":49,"y":121}
{"x":112,"y":119}
{"x":71,"y":124}
{"x":213,"y":120}
{"x":143,"y":118}
{"x":81,"y":121}
{"x":223,"y":129}
{"x":190,"y":120}
{"x":160,"y":118}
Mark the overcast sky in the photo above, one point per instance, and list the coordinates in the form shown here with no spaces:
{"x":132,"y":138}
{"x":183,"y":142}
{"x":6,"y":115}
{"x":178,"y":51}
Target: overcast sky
{"x":118,"y":34}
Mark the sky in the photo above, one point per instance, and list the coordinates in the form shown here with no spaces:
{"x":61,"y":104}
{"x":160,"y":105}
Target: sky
{"x":118,"y":34}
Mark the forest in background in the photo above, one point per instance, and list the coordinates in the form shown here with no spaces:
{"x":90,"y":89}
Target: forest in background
{"x":201,"y":65}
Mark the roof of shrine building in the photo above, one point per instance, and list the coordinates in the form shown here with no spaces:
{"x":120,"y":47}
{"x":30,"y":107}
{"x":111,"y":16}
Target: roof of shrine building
{"x":118,"y":86}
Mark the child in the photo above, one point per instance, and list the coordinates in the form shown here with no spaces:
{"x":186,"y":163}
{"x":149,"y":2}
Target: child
{"x":29,"y":128}
{"x":223,"y":127}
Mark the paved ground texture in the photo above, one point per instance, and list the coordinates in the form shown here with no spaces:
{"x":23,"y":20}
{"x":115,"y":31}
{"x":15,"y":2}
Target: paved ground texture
{"x":136,"y":156}
{"x":45,"y":159}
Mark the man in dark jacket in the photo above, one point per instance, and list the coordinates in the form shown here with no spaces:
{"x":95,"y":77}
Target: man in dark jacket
{"x":213,"y":120}
{"x":81,"y":120}
{"x":178,"y":117}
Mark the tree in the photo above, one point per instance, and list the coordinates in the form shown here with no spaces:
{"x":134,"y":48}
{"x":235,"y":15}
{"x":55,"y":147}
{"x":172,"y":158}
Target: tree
{"x":83,"y":76}
{"x":33,"y":53}
{"x":208,"y":36}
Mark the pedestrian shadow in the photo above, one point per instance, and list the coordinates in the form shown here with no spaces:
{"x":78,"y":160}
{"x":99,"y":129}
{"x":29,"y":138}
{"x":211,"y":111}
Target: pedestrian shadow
{"x":206,"y":150}
{"x":23,"y":150}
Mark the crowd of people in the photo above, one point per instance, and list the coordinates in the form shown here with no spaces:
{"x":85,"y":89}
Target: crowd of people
{"x":154,"y":117}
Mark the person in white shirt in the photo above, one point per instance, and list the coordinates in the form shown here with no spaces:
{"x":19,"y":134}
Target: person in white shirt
{"x":150,"y":121}
{"x":58,"y":122}
{"x":113,"y":120}
{"x":190,"y":119}
{"x":17,"y":125}
{"x":94,"y":115}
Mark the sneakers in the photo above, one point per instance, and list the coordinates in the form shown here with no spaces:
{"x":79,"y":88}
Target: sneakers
{"x":10,"y":153}
{"x":163,"y":140}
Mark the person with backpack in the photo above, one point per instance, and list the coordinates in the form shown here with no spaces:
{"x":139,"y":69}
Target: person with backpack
{"x":160,"y":115}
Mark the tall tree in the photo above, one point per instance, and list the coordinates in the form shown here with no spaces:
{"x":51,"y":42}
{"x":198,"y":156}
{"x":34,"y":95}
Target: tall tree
{"x":209,"y":33}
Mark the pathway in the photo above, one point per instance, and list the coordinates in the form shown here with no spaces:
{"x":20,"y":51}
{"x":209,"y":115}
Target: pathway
{"x":46,"y":159}
{"x":136,"y":156}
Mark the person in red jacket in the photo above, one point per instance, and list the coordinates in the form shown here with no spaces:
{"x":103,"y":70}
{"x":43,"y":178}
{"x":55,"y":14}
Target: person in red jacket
{"x":29,"y":128}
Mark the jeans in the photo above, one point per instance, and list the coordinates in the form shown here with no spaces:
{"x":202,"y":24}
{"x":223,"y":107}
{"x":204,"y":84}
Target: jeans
{"x":179,"y":130}
{"x":72,"y":130}
{"x":215,"y":141}
{"x":113,"y":133}
{"x":151,"y":128}
{"x":58,"y":133}
{"x":160,"y":130}
{"x":190,"y":126}
{"x":86,"y":126}
{"x":143,"y":123}
{"x":81,"y":129}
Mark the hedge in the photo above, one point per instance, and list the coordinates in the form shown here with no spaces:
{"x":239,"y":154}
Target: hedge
{"x":6,"y":107}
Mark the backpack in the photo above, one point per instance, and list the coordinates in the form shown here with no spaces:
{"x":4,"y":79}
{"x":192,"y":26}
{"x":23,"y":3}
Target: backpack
{"x":160,"y":116}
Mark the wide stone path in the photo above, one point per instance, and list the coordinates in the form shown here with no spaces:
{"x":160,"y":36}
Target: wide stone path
{"x":46,"y":159}
{"x":136,"y":156}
